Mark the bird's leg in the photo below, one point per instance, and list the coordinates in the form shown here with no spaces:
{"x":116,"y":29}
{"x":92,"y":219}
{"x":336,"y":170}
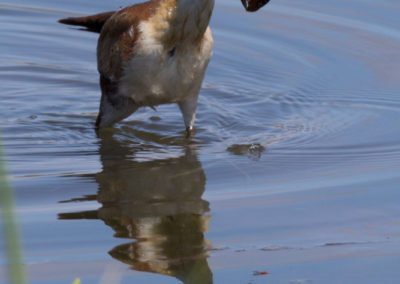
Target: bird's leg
{"x":113,"y":106}
{"x":188,"y":109}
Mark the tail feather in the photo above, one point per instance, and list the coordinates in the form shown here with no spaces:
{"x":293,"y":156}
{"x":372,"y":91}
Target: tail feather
{"x":92,"y":23}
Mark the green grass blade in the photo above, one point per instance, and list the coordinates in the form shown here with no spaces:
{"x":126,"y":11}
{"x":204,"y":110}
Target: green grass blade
{"x":11,"y":236}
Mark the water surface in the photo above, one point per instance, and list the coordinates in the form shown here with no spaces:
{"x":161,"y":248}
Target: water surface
{"x":294,"y":167}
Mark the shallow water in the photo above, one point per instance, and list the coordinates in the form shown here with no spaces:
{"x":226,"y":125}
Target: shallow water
{"x":294,"y":167}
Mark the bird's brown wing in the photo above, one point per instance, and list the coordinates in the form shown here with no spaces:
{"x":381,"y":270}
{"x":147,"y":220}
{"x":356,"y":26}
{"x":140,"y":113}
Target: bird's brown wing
{"x":119,"y":36}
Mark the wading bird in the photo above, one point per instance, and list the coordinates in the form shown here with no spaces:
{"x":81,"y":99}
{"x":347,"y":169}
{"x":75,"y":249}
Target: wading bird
{"x":152,"y":53}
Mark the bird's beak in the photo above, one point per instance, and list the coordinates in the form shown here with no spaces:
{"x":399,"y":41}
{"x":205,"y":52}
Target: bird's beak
{"x":253,"y":5}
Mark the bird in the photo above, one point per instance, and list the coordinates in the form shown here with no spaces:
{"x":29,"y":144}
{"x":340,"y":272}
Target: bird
{"x":152,"y":53}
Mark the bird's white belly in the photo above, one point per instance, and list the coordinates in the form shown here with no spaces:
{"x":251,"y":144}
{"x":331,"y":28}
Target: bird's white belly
{"x":153,"y":78}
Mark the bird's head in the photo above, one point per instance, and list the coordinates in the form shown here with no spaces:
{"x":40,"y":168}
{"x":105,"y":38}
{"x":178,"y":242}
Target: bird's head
{"x":253,"y":5}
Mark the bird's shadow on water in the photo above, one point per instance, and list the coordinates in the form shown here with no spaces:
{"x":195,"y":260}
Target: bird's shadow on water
{"x":156,"y":203}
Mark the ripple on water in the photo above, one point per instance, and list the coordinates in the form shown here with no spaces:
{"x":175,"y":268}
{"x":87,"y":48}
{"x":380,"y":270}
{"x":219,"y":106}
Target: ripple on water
{"x":308,"y":96}
{"x":298,"y":113}
{"x":282,"y":92}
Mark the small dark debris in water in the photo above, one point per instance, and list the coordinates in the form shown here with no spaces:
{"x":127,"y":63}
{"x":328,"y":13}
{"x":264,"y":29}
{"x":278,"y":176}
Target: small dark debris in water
{"x":274,"y":248}
{"x":155,"y":118}
{"x":33,"y":116}
{"x":252,"y":151}
{"x":218,"y":248}
{"x":240,"y":250}
{"x":259,"y":273}
{"x":339,"y":244}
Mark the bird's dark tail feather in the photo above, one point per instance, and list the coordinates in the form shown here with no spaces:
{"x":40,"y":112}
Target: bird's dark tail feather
{"x":92,"y":23}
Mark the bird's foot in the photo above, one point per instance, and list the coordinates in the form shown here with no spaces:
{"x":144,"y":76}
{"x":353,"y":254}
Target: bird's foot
{"x":189,"y":132}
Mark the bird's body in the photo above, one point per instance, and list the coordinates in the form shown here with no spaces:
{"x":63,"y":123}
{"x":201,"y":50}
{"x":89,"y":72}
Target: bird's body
{"x":151,"y":53}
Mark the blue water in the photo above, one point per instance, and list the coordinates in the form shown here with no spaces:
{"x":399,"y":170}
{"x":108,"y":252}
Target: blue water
{"x":294,"y":167}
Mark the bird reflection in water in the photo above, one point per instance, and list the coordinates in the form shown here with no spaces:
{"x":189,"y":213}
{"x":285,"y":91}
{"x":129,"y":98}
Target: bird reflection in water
{"x":158,"y":204}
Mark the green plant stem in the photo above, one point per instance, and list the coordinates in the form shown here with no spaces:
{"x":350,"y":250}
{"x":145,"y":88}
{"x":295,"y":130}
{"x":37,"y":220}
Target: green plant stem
{"x":11,"y":237}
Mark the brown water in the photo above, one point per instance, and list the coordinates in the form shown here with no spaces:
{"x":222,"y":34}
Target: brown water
{"x":294,"y":167}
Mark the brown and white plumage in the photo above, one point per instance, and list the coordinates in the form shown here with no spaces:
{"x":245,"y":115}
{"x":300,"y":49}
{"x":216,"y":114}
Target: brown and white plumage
{"x":152,"y":53}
